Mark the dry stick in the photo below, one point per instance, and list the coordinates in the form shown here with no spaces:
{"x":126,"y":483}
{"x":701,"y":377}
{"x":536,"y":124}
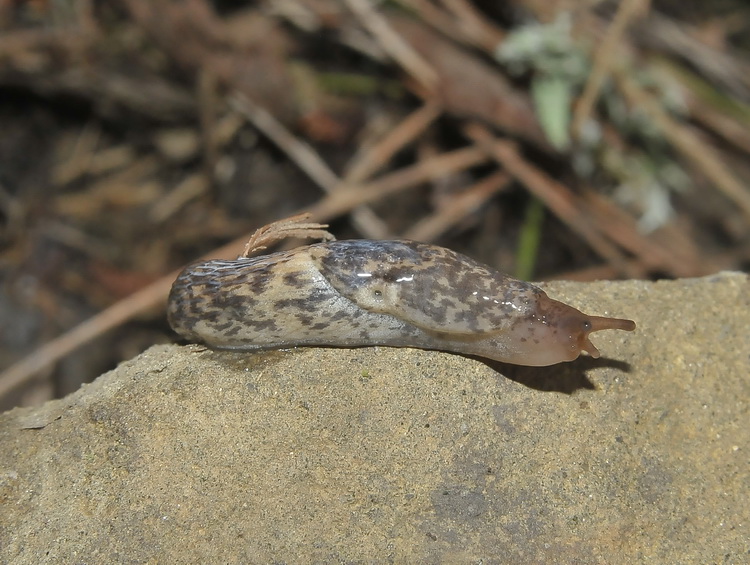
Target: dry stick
{"x":148,"y":297}
{"x":299,"y":227}
{"x":80,"y":159}
{"x":458,"y":207}
{"x":13,"y":210}
{"x":375,"y":157}
{"x":54,"y":350}
{"x":434,"y":16}
{"x":308,"y":160}
{"x":723,"y":125}
{"x":561,"y":201}
{"x":120,"y":312}
{"x":622,"y":229}
{"x":189,"y":188}
{"x":604,"y":59}
{"x":298,"y":151}
{"x":305,"y":157}
{"x":154,"y":294}
{"x":700,"y":107}
{"x":687,"y":142}
{"x":475,"y":27}
{"x":393,"y":44}
{"x":370,"y":160}
{"x":345,"y":199}
{"x":207,"y":96}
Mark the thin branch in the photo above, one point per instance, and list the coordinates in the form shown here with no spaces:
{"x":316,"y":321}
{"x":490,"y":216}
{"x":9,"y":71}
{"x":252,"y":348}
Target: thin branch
{"x":52,"y":351}
{"x":298,"y":151}
{"x":558,"y":198}
{"x":296,"y":226}
{"x":366,"y":163}
{"x":687,"y":142}
{"x":369,"y":160}
{"x":457,"y":208}
{"x":604,"y":59}
{"x":341,"y":201}
{"x":621,"y":228}
{"x":475,"y":27}
{"x":305,"y":157}
{"x":393,"y":44}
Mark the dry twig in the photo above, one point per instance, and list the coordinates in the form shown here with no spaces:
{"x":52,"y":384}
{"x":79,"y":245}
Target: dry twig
{"x":392,"y":43}
{"x":563,"y":203}
{"x":604,"y":58}
{"x":364,"y":165}
{"x":458,"y":207}
{"x":294,"y":226}
{"x":687,"y":142}
{"x":52,"y":351}
{"x":341,"y":201}
{"x":298,"y":151}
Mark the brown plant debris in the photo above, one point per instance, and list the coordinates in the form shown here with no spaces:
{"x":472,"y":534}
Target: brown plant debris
{"x":139,"y":135}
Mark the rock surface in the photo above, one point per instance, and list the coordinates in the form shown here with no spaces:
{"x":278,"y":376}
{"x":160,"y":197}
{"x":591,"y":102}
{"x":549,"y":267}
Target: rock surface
{"x":397,"y":455}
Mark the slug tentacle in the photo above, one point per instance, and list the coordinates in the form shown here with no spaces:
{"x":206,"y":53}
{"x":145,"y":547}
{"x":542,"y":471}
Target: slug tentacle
{"x":601,"y":323}
{"x":362,"y":292}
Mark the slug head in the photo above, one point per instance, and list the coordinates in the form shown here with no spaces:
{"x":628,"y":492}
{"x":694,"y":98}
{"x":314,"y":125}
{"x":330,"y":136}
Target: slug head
{"x":557,"y":332}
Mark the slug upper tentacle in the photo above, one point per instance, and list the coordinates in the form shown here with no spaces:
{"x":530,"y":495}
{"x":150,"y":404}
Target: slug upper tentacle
{"x":363,"y":292}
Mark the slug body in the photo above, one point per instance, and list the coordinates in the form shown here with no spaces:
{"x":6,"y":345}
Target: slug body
{"x":362,"y":293}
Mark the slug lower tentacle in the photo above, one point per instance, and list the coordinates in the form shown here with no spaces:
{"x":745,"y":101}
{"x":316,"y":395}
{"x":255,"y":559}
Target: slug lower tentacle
{"x":362,"y":293}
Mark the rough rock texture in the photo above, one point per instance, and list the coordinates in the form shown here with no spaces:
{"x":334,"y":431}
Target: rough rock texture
{"x":398,"y":455}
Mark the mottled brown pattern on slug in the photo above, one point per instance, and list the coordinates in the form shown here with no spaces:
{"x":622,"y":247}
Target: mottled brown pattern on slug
{"x":361,"y":292}
{"x":442,"y":289}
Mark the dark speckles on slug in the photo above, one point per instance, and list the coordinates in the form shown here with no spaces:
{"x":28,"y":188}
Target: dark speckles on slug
{"x":394,"y":293}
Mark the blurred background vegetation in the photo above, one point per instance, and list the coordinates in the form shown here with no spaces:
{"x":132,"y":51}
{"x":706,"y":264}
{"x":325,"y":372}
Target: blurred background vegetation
{"x":547,"y":138}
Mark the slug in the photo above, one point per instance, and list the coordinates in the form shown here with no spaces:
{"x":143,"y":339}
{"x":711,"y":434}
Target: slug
{"x":356,"y":293}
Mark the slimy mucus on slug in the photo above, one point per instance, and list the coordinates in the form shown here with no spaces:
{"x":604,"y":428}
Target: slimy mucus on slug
{"x":362,"y":293}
